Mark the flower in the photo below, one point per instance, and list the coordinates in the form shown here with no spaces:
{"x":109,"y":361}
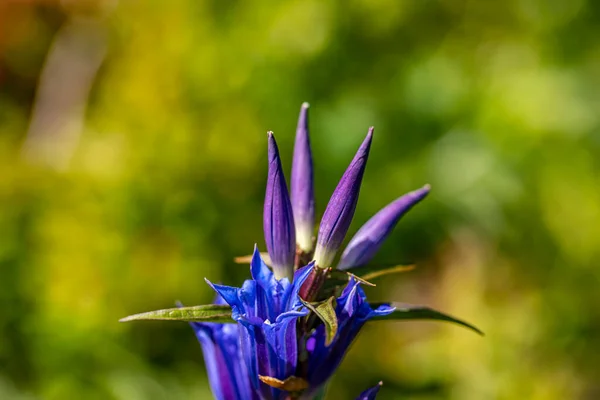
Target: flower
{"x":227,"y":373}
{"x":352,"y":311}
{"x":369,"y":238}
{"x":266,"y":310}
{"x":370,"y":393}
{"x":292,"y":330}
{"x":278,"y":219}
{"x":302,"y":185}
{"x":340,"y":209}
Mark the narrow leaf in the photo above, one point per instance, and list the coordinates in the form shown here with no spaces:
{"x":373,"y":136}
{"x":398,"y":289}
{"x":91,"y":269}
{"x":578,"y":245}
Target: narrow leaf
{"x":325,"y":310}
{"x":369,"y":272}
{"x":343,"y":276}
{"x":206,"y":313}
{"x":414,"y":312}
{"x":290,"y":384}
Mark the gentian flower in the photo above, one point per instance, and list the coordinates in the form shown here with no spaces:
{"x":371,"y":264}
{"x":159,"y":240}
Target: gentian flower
{"x":227,"y":373}
{"x":302,"y":186}
{"x":291,"y":331}
{"x":340,"y":209}
{"x":278,"y":219}
{"x":266,"y":310}
{"x":352,"y":312}
{"x":369,"y":238}
{"x":370,"y":393}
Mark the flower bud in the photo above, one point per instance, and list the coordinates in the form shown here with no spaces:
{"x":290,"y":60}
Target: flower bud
{"x":369,"y":238}
{"x":340,"y":209}
{"x":278,"y":220}
{"x":302,"y":187}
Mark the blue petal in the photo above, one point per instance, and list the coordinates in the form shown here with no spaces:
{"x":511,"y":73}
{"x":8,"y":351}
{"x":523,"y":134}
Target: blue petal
{"x":228,"y":293}
{"x":227,"y":372}
{"x":352,"y":311}
{"x":259,"y":270}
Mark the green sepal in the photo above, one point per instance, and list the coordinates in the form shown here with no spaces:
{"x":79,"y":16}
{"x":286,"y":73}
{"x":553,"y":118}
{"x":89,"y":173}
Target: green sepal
{"x":364,"y":274}
{"x":342,"y":277}
{"x":206,"y":313}
{"x":369,"y":272}
{"x":325,"y":310}
{"x":413,"y":312}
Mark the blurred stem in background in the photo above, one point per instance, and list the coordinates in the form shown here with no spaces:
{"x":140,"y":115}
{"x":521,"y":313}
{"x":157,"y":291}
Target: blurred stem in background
{"x":70,"y":69}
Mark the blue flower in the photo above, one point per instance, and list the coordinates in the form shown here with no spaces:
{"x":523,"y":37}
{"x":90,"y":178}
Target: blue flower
{"x":227,"y":373}
{"x":264,"y":343}
{"x":369,"y":238}
{"x":370,"y":393}
{"x":340,"y":209}
{"x":266,"y":310}
{"x":291,"y":330}
{"x":278,"y":219}
{"x":302,"y":185}
{"x":352,"y":311}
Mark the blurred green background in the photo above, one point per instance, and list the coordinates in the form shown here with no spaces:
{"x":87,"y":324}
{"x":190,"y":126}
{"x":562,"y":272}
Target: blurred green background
{"x":133,"y":163}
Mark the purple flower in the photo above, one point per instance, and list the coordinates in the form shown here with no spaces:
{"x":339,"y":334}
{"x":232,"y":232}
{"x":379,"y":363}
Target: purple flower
{"x":289,"y":335}
{"x":302,"y":187}
{"x":340,"y":209}
{"x":266,"y":310}
{"x":370,"y":393}
{"x":369,"y":238}
{"x":265,"y":340}
{"x":227,"y":373}
{"x":278,"y":219}
{"x":352,"y":312}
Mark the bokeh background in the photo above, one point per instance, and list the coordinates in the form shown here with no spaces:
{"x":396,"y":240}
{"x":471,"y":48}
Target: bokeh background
{"x":133,"y":160}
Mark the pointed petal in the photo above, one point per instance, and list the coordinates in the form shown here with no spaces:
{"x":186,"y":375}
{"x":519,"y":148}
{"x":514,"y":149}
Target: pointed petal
{"x":278,"y":219}
{"x":340,"y":209}
{"x":302,"y":186}
{"x":371,"y":393}
{"x":259,"y":270}
{"x":369,"y":238}
{"x":228,"y":293}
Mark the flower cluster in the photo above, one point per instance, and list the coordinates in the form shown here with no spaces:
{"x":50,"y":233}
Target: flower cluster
{"x":297,"y":316}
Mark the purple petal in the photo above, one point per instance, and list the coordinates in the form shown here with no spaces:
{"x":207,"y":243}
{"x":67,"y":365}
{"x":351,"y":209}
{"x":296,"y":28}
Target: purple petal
{"x":226,"y":369}
{"x":369,"y":238}
{"x":340,"y":209}
{"x":371,"y":393}
{"x":302,"y":187}
{"x":278,"y":220}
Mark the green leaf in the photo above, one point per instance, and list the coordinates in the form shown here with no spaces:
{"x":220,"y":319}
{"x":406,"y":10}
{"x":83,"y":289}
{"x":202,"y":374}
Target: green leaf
{"x":206,"y":313}
{"x":413,"y":312}
{"x":325,"y":310}
{"x":343,"y":276}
